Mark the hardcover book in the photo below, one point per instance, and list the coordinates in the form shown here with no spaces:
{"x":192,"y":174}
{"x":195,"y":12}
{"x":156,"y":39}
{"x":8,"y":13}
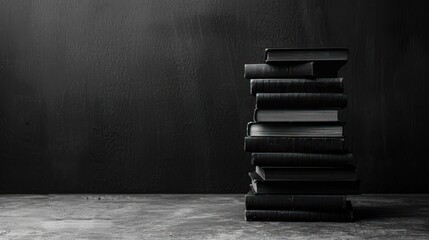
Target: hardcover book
{"x":300,"y":100}
{"x":290,"y":159}
{"x":296,"y":115}
{"x":290,"y":70}
{"x":306,"y":173}
{"x":262,"y":70}
{"x":295,"y":202}
{"x":294,"y":85}
{"x":303,"y":187}
{"x":301,"y":216}
{"x":275,"y":55}
{"x":294,"y":145}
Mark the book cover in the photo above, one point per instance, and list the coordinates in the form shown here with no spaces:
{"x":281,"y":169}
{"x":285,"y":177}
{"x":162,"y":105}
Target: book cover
{"x":290,"y":159}
{"x":301,"y":216}
{"x":294,"y":85}
{"x":296,"y":115}
{"x":303,"y":187}
{"x":338,"y":55}
{"x":294,"y":145}
{"x":263,"y":70}
{"x":300,"y":100}
{"x":306,"y":173}
{"x":295,"y":202}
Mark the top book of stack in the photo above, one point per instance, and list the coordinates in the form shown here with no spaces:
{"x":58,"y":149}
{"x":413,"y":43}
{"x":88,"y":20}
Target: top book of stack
{"x":334,"y":55}
{"x":298,"y":63}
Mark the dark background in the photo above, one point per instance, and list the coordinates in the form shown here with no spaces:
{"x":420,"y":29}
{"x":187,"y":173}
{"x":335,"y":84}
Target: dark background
{"x":149,"y":96}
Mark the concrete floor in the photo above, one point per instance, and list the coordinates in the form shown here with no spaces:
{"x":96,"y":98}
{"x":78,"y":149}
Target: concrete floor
{"x":197,"y":217}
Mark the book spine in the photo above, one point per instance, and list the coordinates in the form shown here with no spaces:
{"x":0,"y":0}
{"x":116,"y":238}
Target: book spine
{"x":279,"y":71}
{"x":300,"y":187}
{"x":294,"y":144}
{"x":299,"y":216}
{"x":302,"y":159}
{"x":300,"y":100}
{"x":292,"y":55}
{"x":295,"y":202}
{"x":321,"y":85}
{"x":301,"y":173}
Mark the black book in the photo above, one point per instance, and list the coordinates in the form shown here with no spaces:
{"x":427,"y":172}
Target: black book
{"x":296,"y":115}
{"x":302,"y":159}
{"x":262,"y":70}
{"x":318,"y":85}
{"x":301,"y":216}
{"x":294,"y":144}
{"x":334,"y":55}
{"x":306,"y":173}
{"x":295,"y":202}
{"x":300,"y":100}
{"x":303,"y":187}
{"x":290,"y":70}
{"x":295,"y":129}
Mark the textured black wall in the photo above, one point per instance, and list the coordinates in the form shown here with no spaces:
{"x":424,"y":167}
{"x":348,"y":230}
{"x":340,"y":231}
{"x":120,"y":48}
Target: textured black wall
{"x":149,"y":96}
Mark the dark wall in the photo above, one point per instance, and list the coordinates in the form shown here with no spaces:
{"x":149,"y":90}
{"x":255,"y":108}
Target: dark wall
{"x":149,"y":96}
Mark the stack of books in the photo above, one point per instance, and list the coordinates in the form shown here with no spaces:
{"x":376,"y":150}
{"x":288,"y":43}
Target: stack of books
{"x":303,"y":170}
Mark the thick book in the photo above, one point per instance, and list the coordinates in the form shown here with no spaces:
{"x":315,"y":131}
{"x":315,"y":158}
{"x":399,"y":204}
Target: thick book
{"x":302,"y":159}
{"x":295,"y":202}
{"x":301,"y":216}
{"x":294,"y":144}
{"x":303,"y":187}
{"x":293,"y":85}
{"x":296,"y":115}
{"x":300,"y":100}
{"x":295,"y":129}
{"x":337,"y":55}
{"x":306,"y":173}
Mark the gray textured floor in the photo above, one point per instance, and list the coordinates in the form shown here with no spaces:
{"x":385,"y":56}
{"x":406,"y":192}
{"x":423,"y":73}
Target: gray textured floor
{"x":197,"y":217}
